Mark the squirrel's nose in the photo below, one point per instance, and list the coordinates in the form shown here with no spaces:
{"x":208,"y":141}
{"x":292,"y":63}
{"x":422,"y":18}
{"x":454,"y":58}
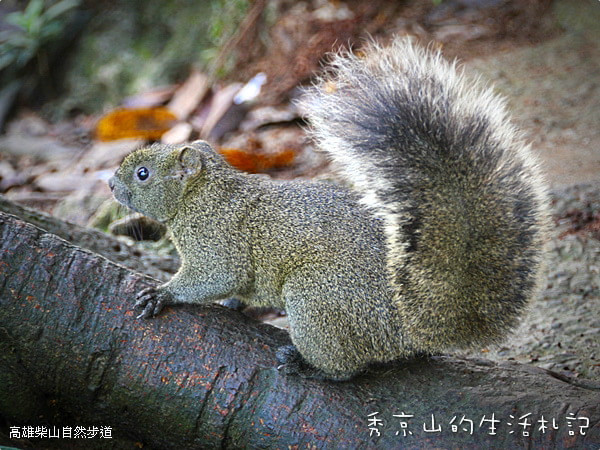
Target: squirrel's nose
{"x":111,"y":183}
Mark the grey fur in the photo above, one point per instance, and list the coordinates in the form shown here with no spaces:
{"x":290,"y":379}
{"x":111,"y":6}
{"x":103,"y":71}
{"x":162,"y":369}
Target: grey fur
{"x":438,"y":248}
{"x":437,"y":158}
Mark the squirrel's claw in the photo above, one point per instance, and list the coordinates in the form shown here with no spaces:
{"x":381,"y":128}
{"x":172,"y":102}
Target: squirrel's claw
{"x":292,"y":363}
{"x":153,"y":300}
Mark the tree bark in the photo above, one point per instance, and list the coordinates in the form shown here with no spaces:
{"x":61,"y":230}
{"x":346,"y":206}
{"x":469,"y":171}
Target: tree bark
{"x":72,"y":352}
{"x":133,"y":257}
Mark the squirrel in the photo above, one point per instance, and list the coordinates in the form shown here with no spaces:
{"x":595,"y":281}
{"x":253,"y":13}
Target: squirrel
{"x":436,"y":245}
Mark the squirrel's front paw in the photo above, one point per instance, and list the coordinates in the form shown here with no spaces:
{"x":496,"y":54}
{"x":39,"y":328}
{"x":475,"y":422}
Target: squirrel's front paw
{"x":153,"y":299}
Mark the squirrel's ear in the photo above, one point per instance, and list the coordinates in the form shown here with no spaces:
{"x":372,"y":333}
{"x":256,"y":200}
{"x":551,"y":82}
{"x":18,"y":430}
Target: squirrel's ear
{"x":190,"y":160}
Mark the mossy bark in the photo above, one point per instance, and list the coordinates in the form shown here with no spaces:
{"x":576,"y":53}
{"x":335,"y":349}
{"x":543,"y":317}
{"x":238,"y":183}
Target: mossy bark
{"x":73,"y":352}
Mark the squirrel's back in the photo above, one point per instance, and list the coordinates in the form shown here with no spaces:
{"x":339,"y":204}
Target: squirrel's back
{"x":461,"y":196}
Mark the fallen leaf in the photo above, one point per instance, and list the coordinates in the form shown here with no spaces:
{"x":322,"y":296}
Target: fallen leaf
{"x":189,"y":95}
{"x":178,"y":134}
{"x":221,"y":103}
{"x":257,"y":162}
{"x":144,"y":123}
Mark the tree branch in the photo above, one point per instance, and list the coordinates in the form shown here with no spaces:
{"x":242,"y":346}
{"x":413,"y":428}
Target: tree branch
{"x":72,"y":352}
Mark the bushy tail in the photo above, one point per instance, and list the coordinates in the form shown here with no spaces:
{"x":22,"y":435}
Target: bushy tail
{"x":460,"y":194}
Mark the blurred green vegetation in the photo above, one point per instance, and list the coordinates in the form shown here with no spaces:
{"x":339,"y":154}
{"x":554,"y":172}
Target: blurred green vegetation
{"x":29,"y":40}
{"x":124,"y":47}
{"x":134,"y":45}
{"x":226,"y":16}
{"x":34,"y":29}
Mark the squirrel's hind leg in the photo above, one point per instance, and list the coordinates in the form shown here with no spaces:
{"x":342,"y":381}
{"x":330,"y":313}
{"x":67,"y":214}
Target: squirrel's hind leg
{"x":293,"y":363}
{"x":326,"y":341}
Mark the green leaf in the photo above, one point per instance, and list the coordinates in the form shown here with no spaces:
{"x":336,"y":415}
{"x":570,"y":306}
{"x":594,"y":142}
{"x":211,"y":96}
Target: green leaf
{"x":20,"y":40}
{"x":50,"y":30}
{"x":17,"y":19}
{"x":25,"y":56}
{"x":34,"y":9}
{"x":6,"y":59}
{"x":58,"y":9}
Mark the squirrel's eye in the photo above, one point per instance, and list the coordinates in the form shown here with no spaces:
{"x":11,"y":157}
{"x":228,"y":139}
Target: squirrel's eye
{"x":143,"y":173}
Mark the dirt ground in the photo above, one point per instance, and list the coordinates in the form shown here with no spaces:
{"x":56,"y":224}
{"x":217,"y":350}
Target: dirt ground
{"x":553,"y":90}
{"x":554,"y":93}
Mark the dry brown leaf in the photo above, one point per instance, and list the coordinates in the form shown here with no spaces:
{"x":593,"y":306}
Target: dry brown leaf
{"x":144,"y":123}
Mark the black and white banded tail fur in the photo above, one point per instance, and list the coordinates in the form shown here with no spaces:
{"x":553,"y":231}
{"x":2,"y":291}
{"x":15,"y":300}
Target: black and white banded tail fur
{"x":435,"y":155}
